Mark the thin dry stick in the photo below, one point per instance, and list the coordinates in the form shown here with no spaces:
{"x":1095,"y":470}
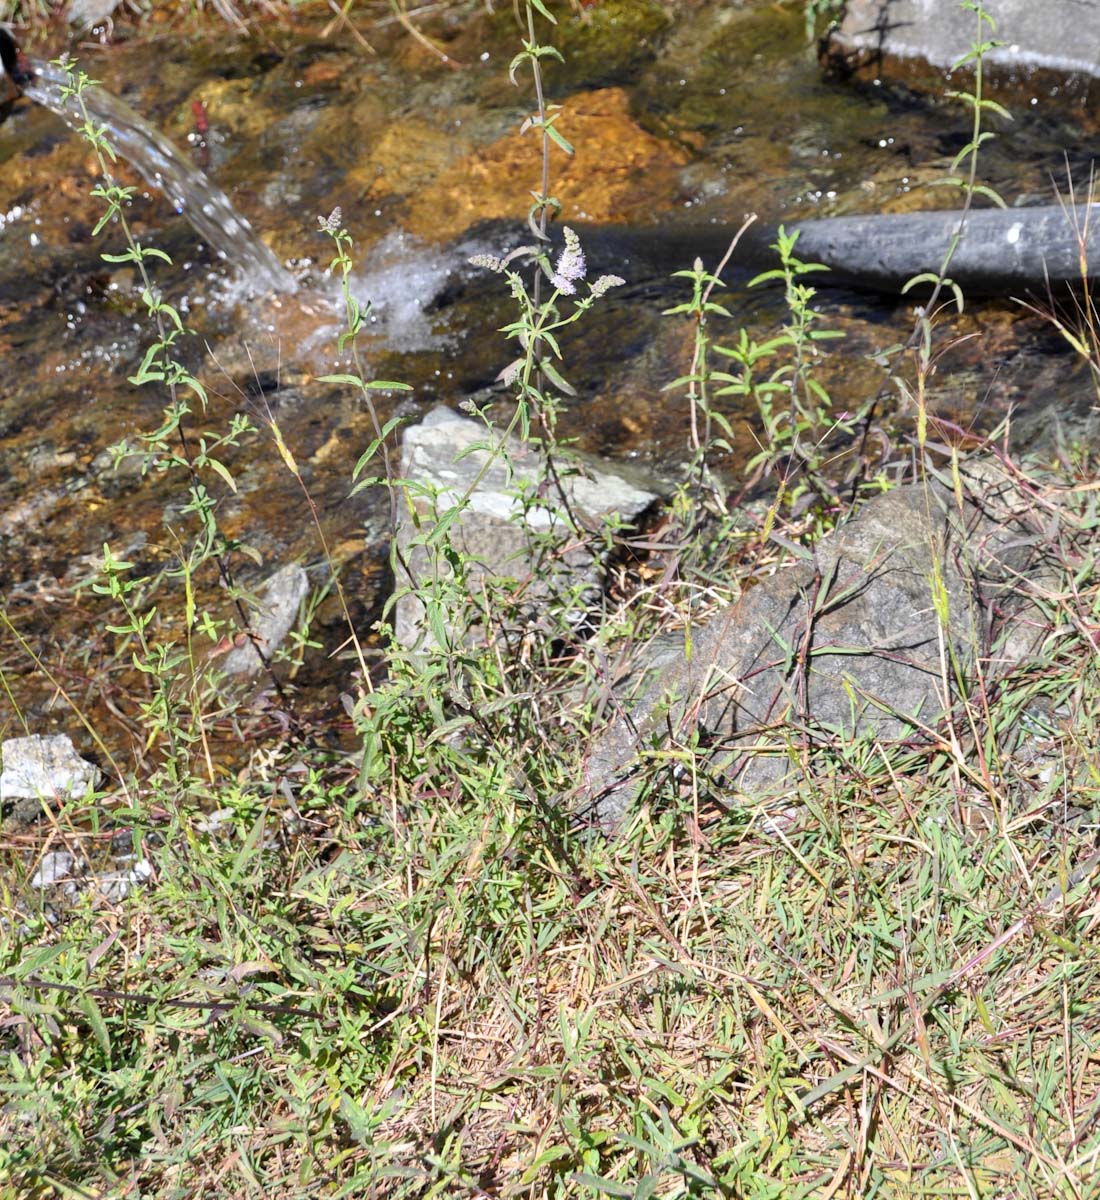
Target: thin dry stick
{"x":402,"y":17}
{"x":341,"y":21}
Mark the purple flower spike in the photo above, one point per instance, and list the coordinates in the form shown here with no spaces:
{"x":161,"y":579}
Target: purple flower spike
{"x":571,"y":267}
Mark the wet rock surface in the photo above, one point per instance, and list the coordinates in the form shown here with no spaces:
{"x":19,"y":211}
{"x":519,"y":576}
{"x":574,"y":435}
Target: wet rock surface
{"x":1060,"y":36}
{"x":857,"y":641}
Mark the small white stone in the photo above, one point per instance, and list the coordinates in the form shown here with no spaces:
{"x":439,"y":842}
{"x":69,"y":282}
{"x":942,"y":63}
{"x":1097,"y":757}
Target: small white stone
{"x":54,"y":866}
{"x":44,"y":768}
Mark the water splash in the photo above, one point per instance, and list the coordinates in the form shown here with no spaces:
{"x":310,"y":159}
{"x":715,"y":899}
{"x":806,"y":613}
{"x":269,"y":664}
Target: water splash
{"x":205,"y":206}
{"x":401,"y":279}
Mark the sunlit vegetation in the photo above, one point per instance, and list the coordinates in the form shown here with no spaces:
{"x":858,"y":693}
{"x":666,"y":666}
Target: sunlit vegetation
{"x":414,"y":968}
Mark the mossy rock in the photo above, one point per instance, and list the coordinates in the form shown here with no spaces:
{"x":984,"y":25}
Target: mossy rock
{"x":608,"y":43}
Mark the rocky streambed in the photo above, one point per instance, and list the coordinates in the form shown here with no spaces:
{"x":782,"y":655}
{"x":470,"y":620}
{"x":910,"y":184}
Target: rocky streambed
{"x":681,"y":124}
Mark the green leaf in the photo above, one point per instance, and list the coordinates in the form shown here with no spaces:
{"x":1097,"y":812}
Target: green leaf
{"x":926,"y":277}
{"x":551,"y":373}
{"x":352,"y":380}
{"x":767,"y":277}
{"x":374,"y":446}
{"x":259,"y":1027}
{"x":515,"y":65}
{"x":980,"y":189}
{"x":437,"y":624}
{"x":817,"y":389}
{"x":91,"y":1010}
{"x":971,"y":148}
{"x":557,"y":138}
{"x":223,"y":472}
{"x":999,"y":109}
{"x":538,"y":6}
{"x":146,"y":373}
{"x":438,"y":533}
{"x":106,"y":220}
{"x":551,"y":1154}
{"x":667,"y":1091}
{"x":357,"y":1118}
{"x":38,"y":958}
{"x":646,"y":1187}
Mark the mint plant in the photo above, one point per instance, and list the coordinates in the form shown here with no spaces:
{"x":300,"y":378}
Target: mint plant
{"x":172,"y":446}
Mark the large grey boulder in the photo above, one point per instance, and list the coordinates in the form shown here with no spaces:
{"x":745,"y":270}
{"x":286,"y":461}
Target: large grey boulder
{"x":1052,"y":35}
{"x":512,"y":524}
{"x":860,"y":638}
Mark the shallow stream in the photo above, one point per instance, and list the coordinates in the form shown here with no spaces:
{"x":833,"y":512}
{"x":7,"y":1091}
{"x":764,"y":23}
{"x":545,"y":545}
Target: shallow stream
{"x":682,"y":123}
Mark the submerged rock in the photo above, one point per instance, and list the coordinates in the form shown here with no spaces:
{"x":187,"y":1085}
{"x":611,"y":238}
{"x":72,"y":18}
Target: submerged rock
{"x":859,"y":640}
{"x":618,"y":172}
{"x":607,"y":44}
{"x":275,"y":612}
{"x":512,"y":525}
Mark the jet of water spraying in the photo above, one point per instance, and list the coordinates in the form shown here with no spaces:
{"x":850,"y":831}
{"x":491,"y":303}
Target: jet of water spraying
{"x":163,"y":167}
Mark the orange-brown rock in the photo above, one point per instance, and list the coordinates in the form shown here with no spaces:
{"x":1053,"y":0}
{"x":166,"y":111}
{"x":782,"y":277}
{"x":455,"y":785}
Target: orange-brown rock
{"x":617,"y":173}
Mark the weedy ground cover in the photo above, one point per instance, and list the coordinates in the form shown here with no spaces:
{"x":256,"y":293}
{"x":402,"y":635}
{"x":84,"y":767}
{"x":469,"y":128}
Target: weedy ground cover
{"x":412,"y":971}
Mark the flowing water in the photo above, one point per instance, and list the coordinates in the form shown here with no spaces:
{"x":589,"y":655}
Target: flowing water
{"x":679,"y":128}
{"x":206,"y":207}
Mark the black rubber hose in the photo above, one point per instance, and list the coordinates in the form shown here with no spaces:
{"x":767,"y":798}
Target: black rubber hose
{"x":1000,"y":252}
